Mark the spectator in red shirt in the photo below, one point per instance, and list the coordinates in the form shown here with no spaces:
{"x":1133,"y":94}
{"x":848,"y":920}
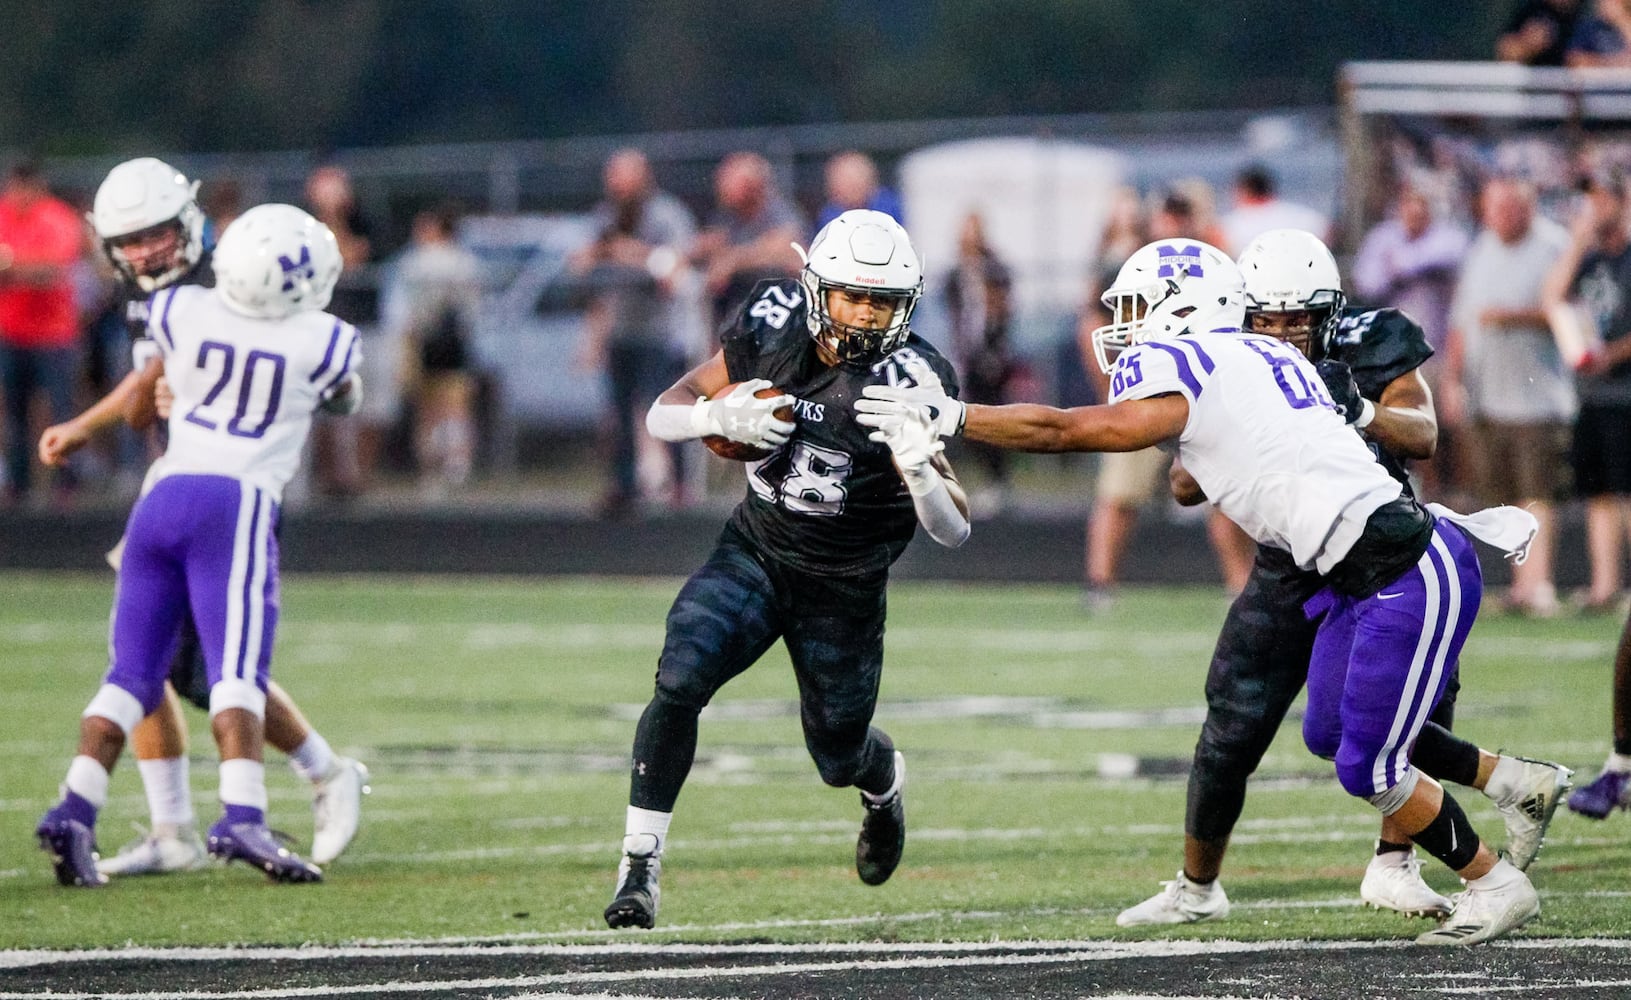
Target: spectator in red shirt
{"x":40,"y":239}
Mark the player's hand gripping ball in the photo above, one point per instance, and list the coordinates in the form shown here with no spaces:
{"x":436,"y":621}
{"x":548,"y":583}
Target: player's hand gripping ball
{"x":748,"y":425}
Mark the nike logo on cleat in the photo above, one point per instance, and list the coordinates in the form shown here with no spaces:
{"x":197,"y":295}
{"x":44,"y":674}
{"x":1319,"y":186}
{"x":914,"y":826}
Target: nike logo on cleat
{"x":1389,"y":597}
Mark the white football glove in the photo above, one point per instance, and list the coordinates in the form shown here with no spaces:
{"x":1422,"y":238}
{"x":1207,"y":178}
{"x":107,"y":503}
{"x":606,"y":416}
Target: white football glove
{"x":742,"y":416}
{"x":911,"y":439}
{"x":945,"y":413}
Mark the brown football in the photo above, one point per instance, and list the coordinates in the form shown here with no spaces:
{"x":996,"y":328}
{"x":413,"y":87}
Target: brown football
{"x":736,"y":451}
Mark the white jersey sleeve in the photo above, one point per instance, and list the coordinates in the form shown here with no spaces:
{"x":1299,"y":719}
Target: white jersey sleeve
{"x":245,"y":389}
{"x":1156,"y":368}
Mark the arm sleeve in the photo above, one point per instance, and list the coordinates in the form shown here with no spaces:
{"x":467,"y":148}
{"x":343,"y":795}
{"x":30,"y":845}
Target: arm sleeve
{"x":672,"y":421}
{"x":936,"y":510}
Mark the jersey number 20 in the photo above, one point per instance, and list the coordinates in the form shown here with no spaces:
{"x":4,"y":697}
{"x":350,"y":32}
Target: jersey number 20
{"x":257,"y":365}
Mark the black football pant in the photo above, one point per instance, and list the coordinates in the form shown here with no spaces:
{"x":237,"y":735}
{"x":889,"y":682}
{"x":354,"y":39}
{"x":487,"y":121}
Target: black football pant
{"x":1258,"y":666}
{"x":726,"y":616}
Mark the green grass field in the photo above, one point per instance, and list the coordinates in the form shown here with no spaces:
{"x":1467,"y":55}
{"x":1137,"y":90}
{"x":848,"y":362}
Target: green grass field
{"x":496,"y":717}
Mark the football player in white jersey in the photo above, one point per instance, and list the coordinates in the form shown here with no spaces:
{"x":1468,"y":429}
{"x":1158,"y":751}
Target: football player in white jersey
{"x":147,"y":219}
{"x":1370,"y":361}
{"x":248,"y":363}
{"x":1253,"y":423}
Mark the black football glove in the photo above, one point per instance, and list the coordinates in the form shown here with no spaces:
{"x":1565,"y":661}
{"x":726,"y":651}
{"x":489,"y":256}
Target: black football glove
{"x":1339,"y":381}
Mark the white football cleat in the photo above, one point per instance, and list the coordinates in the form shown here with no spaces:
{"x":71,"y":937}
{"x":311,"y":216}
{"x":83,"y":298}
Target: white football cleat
{"x":1528,"y":810}
{"x":1180,"y":901}
{"x":1393,"y":882}
{"x":1482,"y":914}
{"x":169,"y":848}
{"x":337,"y":809}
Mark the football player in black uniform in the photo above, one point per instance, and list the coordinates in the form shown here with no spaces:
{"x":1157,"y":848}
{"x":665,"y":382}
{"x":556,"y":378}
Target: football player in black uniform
{"x":151,"y":229}
{"x":1370,"y":361}
{"x":805,"y":557}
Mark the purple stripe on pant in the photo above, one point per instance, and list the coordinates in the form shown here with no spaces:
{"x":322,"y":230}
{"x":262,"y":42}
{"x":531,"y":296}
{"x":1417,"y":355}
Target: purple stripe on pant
{"x":207,"y":542}
{"x":1381,"y":664}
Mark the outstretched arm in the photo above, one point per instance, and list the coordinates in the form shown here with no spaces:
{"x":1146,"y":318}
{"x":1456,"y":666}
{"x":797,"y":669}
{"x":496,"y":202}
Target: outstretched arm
{"x":1129,"y":425}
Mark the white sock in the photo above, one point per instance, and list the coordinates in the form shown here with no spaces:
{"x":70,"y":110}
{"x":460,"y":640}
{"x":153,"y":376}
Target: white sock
{"x":645,"y":823}
{"x":894,"y":785}
{"x":169,"y":794}
{"x":88,"y":779}
{"x":313,"y":759}
{"x":243,"y":783}
{"x":1619,"y":763}
{"x":1504,"y":873}
{"x":1503,"y":781}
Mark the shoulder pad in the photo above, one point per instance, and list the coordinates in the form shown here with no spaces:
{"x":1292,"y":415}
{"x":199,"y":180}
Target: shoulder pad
{"x":1379,"y":345}
{"x":1158,"y":367}
{"x":770,"y":322}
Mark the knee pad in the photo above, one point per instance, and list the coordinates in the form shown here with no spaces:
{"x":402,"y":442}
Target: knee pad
{"x":118,"y":706}
{"x":854,"y":763}
{"x":837,"y":770}
{"x":1358,"y":778}
{"x":681,"y":693}
{"x":237,"y":693}
{"x":1392,"y":799}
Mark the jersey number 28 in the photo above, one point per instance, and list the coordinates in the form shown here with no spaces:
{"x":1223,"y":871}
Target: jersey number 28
{"x":814,"y":482}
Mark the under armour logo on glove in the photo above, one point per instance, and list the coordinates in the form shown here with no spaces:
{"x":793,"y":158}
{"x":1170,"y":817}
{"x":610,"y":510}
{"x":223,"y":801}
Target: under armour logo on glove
{"x":742,"y":416}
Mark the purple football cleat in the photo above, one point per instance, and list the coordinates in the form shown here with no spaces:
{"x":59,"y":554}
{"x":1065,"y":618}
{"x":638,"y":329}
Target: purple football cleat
{"x":253,"y":843}
{"x":1602,"y":795}
{"x":72,"y":846}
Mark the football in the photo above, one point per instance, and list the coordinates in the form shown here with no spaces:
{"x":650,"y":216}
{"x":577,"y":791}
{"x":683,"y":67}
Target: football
{"x":736,"y":451}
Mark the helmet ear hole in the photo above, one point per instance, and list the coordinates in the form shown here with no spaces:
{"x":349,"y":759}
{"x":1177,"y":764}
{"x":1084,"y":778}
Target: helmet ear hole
{"x":1167,"y":289}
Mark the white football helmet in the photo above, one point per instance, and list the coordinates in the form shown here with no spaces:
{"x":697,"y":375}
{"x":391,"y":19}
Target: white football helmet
{"x":861,"y":251}
{"x":1291,"y":271}
{"x":1167,"y":289}
{"x":274,"y":261}
{"x":147,"y":217}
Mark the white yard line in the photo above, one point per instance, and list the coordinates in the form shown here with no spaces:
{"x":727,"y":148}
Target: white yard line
{"x":1084,"y":638}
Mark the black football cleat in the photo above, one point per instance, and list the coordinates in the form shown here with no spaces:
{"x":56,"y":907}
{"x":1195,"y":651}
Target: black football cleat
{"x":635,"y":904}
{"x":883,"y":832}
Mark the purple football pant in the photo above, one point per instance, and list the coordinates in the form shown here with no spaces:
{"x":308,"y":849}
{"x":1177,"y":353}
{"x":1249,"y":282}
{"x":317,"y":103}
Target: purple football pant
{"x":208,"y":542}
{"x":1380,"y":664}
